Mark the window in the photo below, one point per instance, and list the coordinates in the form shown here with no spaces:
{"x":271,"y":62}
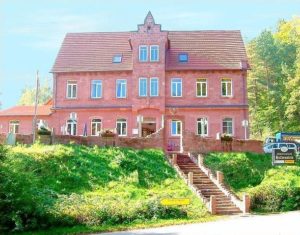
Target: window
{"x":143,"y":87}
{"x":95,"y":127}
{"x":154,"y":53}
{"x":117,"y":59}
{"x":122,"y":127}
{"x":176,"y":87}
{"x":183,"y":57}
{"x":71,"y":127}
{"x":121,"y":88}
{"x":154,"y":86}
{"x":143,"y":53}
{"x":227,"y":126}
{"x":202,"y":125}
{"x":226,"y":87}
{"x":96,"y":89}
{"x":175,"y":127}
{"x":201,"y":88}
{"x":71,"y":89}
{"x":14,"y":127}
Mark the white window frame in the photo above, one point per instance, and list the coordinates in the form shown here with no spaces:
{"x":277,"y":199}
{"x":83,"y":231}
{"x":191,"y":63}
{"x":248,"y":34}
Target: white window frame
{"x":178,"y":122}
{"x":202,"y":125}
{"x":74,"y":84}
{"x":157,"y":59}
{"x":93,"y":122}
{"x":117,"y":59}
{"x":142,"y":46}
{"x":226,"y":81}
{"x":199,"y":82}
{"x":146,"y":89}
{"x":151,"y":79}
{"x":73,"y":124}
{"x":176,"y":82}
{"x":121,"y":122}
{"x":14,"y":124}
{"x":232,"y":126}
{"x":101,"y":90}
{"x":121,"y":80}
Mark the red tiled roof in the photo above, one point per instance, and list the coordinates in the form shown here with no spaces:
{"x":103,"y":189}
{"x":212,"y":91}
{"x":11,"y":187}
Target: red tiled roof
{"x":93,"y":52}
{"x":212,"y":49}
{"x":215,"y":49}
{"x":43,"y":110}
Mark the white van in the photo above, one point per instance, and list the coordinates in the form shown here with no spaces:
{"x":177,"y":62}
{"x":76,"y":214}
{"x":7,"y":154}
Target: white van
{"x":268,"y":148}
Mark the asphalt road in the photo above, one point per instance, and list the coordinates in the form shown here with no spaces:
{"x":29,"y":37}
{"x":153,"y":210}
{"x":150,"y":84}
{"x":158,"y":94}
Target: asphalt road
{"x":277,"y":224}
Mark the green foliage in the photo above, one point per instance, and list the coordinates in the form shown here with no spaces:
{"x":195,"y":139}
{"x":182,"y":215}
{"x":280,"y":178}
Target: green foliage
{"x":241,"y":170}
{"x":279,"y":191}
{"x":271,"y":188}
{"x":274,"y":80}
{"x":43,"y":186}
{"x":28,"y":95}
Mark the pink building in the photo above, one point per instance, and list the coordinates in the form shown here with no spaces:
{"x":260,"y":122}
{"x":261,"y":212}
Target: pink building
{"x":147,"y":80}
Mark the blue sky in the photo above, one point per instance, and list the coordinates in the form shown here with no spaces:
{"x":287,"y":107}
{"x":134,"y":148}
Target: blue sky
{"x":31,"y":31}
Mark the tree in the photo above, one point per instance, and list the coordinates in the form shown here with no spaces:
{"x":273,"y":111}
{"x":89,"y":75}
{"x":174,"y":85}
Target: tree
{"x":28,"y":95}
{"x":273,"y":84}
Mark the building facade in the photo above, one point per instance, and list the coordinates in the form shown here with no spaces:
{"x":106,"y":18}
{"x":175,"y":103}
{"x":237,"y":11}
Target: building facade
{"x":139,"y":82}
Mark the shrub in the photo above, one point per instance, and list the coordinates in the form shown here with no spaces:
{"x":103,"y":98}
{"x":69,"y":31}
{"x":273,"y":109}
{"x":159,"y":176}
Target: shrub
{"x":279,"y":191}
{"x":43,"y":186}
{"x":240,"y":169}
{"x":271,"y":188}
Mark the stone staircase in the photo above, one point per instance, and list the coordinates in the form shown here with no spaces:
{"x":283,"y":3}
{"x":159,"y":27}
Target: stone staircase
{"x":203,"y":183}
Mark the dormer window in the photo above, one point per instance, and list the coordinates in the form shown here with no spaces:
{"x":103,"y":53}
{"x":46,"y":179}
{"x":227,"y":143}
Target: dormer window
{"x":117,"y":58}
{"x":183,"y":57}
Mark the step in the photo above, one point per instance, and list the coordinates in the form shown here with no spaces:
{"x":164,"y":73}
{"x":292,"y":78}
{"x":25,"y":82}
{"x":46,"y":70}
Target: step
{"x":228,"y":210}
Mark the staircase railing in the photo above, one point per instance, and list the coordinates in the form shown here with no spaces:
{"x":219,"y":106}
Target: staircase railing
{"x":173,"y":162}
{"x":243,"y":205}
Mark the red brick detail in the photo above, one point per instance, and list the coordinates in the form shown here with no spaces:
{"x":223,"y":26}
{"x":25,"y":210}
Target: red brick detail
{"x":197,"y":144}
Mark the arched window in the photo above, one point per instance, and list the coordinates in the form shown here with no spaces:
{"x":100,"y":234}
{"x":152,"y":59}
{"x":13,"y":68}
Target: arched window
{"x":72,"y":127}
{"x":96,"y":126}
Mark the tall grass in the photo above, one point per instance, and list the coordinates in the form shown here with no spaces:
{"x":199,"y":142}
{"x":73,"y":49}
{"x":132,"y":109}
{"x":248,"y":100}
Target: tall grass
{"x":43,"y":186}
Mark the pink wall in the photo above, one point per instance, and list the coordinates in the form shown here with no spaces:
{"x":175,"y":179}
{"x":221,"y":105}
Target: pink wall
{"x":25,"y":123}
{"x":84,"y":89}
{"x":213,"y":78}
{"x":108,"y":108}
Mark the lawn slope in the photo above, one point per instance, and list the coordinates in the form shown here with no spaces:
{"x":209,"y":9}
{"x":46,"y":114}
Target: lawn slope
{"x":272,"y":189}
{"x":54,"y":186}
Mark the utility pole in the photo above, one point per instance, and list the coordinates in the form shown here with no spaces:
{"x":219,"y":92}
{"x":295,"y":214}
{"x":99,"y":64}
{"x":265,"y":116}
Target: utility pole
{"x":35,"y":106}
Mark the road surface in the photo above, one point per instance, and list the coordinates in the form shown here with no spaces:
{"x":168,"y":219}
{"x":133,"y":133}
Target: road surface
{"x":277,"y":224}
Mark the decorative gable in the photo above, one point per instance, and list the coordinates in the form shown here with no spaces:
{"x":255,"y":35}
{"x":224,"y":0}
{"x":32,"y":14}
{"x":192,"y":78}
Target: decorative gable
{"x":149,"y":25}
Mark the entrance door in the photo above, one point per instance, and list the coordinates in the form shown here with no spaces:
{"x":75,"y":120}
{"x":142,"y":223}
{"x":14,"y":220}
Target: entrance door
{"x":175,"y":136}
{"x":148,"y":126}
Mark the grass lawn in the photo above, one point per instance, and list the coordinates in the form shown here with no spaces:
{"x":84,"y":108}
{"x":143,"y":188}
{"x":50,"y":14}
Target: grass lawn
{"x":272,"y":189}
{"x":118,"y":227}
{"x":94,"y":189}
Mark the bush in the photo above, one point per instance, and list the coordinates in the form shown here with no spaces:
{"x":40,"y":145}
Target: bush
{"x":271,"y":188}
{"x":43,"y":186}
{"x":241,"y":170}
{"x":279,"y":191}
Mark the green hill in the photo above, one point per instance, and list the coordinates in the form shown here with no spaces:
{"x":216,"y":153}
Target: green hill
{"x":53,"y":186}
{"x":272,"y":189}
